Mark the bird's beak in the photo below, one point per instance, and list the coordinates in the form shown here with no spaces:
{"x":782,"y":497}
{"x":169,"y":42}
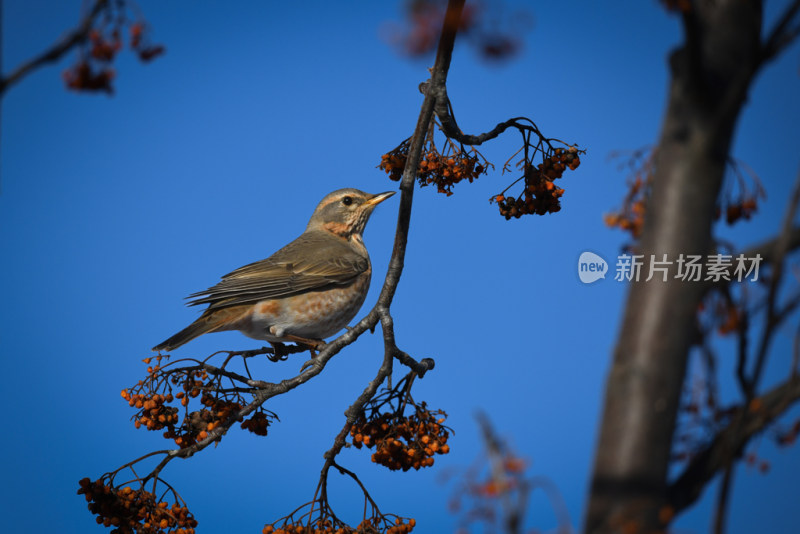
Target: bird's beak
{"x":380,"y":197}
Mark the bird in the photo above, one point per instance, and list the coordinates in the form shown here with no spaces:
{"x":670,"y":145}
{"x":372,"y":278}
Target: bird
{"x":306,"y":291}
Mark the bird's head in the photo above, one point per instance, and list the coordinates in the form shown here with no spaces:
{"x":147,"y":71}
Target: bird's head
{"x":345,"y":212}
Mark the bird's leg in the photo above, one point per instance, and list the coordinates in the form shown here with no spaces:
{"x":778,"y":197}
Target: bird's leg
{"x":312,"y":344}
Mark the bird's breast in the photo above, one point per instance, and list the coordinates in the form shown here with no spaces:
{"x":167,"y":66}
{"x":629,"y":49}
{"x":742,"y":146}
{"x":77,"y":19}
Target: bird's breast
{"x":313,"y":315}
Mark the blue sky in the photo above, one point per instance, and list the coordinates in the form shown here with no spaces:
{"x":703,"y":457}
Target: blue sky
{"x":114,"y":209}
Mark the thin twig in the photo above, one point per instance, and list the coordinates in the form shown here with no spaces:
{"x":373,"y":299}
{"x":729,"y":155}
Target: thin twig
{"x":772,"y":319}
{"x":720,"y":512}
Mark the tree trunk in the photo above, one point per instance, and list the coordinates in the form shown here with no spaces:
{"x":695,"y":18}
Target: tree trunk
{"x":711,"y":74}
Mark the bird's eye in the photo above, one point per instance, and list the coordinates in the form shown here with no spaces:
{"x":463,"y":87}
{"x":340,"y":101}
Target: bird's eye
{"x":347,"y":201}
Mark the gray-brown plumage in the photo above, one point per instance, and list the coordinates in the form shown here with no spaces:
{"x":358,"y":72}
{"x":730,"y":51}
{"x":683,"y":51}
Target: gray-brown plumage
{"x":305,"y":292}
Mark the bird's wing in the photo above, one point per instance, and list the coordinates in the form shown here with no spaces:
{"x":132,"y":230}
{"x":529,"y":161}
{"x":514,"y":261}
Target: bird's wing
{"x":311,"y":262}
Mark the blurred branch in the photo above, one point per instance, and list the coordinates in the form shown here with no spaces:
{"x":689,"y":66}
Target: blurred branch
{"x":54,"y":53}
{"x":767,"y":249}
{"x":730,"y":448}
{"x":747,"y":421}
{"x":773,"y":316}
{"x":783,"y":33}
{"x":721,"y":509}
{"x":501,"y":497}
{"x":513,"y":510}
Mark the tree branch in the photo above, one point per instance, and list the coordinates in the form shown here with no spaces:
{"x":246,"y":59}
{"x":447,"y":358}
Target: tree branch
{"x":773,"y":316}
{"x":729,"y":442}
{"x":54,"y":53}
{"x":782,"y":34}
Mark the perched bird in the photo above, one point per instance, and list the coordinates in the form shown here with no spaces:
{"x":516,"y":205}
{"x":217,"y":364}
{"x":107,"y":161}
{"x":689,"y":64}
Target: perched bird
{"x":307,"y":291}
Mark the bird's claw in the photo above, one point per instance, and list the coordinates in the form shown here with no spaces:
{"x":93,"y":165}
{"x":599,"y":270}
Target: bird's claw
{"x":308,"y":364}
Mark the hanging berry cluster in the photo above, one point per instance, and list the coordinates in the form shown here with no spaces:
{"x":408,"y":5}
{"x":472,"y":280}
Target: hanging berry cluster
{"x":738,"y":200}
{"x":401,"y":441}
{"x":320,"y":520}
{"x":93,"y":70}
{"x":630,"y":218}
{"x":742,"y":208}
{"x":135,"y":511}
{"x":455,"y":163}
{"x":540,"y":195}
{"x":742,"y":190}
{"x":152,"y":397}
{"x":785,"y":436}
{"x":443,"y":170}
{"x":367,"y":526}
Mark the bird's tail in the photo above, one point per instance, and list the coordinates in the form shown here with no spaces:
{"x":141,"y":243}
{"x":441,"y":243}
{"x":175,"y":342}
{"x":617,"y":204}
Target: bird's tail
{"x":208,"y":322}
{"x":197,"y":328}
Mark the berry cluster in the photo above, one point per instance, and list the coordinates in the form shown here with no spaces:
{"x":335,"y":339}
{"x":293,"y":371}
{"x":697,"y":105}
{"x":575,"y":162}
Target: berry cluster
{"x":197,"y":424}
{"x":403,"y":442}
{"x":742,"y":191}
{"x":325,"y":525}
{"x":504,"y":481}
{"x":540,"y":195}
{"x":258,"y":423}
{"x":742,"y":208}
{"x":719,"y":311}
{"x":152,"y":397}
{"x":631,"y":217}
{"x":788,"y":436}
{"x":731,"y":320}
{"x":93,"y":71}
{"x":394,"y":162}
{"x":132,"y":511}
{"x":153,"y":413}
{"x":442,"y":170}
{"x":753,"y":460}
{"x":83,"y":77}
{"x":739,"y":200}
{"x":446,"y":171}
